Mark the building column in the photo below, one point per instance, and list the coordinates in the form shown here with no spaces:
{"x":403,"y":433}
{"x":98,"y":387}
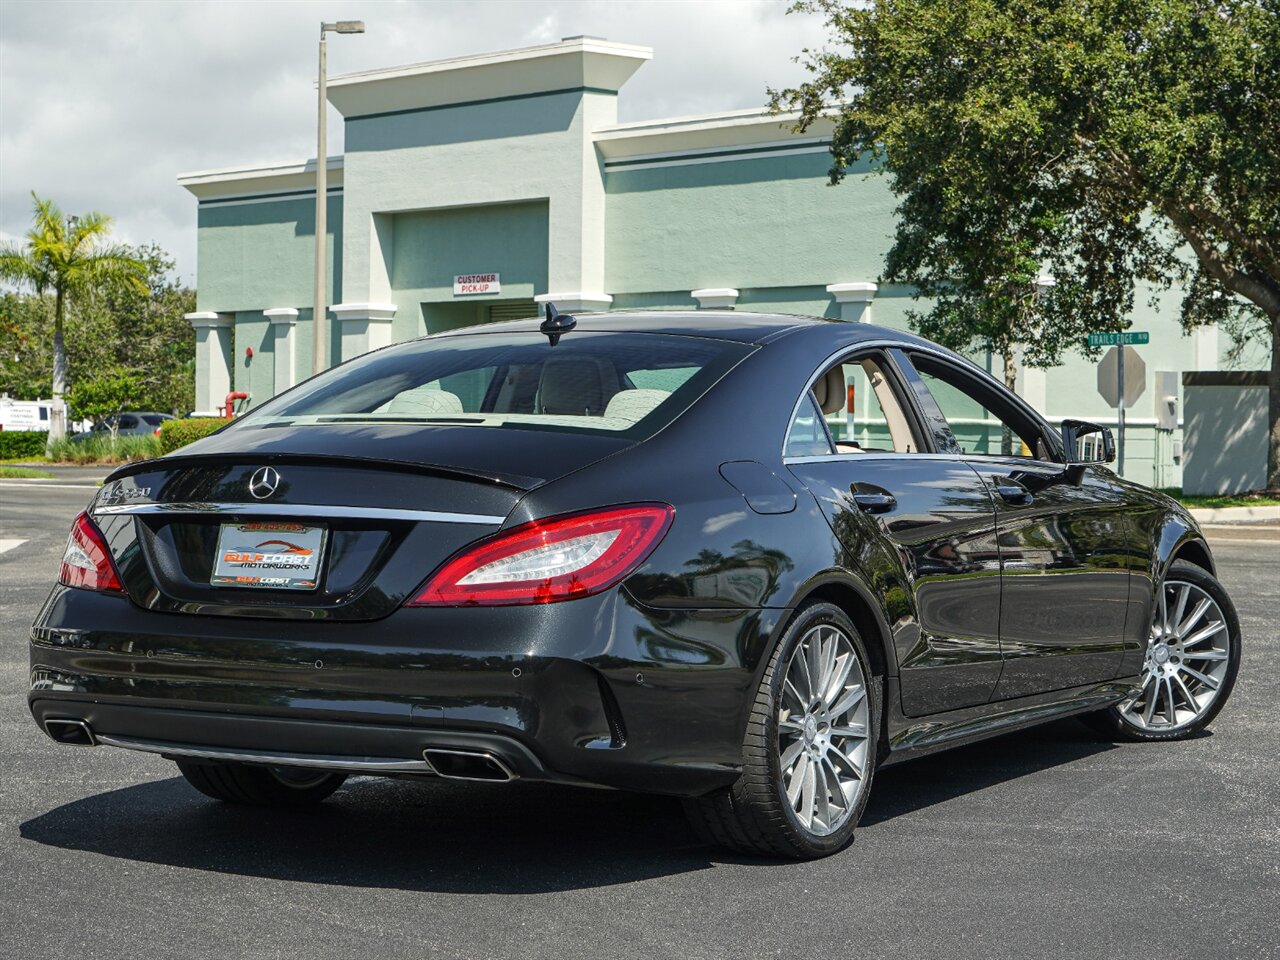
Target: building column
{"x":365,"y":326}
{"x":576,"y":302}
{"x":283,"y":321}
{"x":854,"y":299}
{"x":715,"y":298}
{"x":213,"y":361}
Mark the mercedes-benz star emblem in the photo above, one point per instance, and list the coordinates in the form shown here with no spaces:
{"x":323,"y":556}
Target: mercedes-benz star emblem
{"x":263,"y":483}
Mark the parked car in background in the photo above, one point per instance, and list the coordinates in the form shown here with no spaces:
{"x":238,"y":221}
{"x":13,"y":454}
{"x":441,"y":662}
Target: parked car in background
{"x":135,"y":424}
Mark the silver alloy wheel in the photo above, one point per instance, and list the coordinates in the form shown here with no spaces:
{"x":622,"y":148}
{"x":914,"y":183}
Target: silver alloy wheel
{"x":1188,"y":656}
{"x":823,"y":723}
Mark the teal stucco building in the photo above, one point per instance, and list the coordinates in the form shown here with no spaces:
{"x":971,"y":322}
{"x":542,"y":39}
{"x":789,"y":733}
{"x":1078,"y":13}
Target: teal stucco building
{"x":472,"y":189}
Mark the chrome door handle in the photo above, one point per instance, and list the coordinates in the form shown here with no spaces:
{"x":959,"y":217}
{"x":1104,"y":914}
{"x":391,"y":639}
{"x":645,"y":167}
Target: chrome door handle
{"x":1012,"y":492}
{"x":873,"y":499}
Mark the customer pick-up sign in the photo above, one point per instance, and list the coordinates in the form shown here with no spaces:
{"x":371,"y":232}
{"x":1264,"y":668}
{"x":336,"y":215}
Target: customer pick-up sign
{"x":471,"y":283}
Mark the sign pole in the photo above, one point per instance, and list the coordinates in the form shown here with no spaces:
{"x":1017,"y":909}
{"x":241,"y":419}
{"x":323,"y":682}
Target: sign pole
{"x":1120,"y":410}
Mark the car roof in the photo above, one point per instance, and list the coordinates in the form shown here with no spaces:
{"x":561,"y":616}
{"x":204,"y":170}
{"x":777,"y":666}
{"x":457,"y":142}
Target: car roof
{"x":735,"y":325}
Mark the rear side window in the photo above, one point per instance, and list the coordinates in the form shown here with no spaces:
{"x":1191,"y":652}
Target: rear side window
{"x":127,"y":422}
{"x":808,"y":434}
{"x":616,"y":383}
{"x":154,"y":419}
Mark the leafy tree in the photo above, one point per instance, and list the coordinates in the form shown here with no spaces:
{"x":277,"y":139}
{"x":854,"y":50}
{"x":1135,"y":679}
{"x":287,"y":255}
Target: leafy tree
{"x":118,"y":329}
{"x":70,"y":257}
{"x":1108,"y":143}
{"x":97,"y":398}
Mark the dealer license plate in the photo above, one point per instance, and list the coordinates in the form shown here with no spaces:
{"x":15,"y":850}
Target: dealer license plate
{"x":273,"y":555}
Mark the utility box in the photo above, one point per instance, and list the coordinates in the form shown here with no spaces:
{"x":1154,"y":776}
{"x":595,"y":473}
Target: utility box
{"x":1224,"y":431}
{"x":1167,"y":382}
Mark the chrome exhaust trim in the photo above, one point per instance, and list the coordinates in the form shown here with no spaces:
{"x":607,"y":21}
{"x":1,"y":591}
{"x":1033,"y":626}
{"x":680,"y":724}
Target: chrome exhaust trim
{"x":366,"y":765}
{"x":74,"y":733}
{"x":452,"y":764}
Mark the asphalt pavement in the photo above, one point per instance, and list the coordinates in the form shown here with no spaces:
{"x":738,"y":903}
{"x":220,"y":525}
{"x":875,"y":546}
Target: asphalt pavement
{"x":1046,"y":843}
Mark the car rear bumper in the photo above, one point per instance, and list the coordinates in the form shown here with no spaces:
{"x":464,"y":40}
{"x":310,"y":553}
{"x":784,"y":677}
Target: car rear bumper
{"x":597,"y":691}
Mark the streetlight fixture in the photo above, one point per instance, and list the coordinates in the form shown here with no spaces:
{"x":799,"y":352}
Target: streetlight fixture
{"x":319,"y":326}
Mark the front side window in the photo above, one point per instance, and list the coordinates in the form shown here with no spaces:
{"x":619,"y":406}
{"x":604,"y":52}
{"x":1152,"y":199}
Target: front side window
{"x":626,"y":384}
{"x":982,"y":422}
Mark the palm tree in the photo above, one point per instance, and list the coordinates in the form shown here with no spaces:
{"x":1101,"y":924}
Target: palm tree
{"x":71,"y":256}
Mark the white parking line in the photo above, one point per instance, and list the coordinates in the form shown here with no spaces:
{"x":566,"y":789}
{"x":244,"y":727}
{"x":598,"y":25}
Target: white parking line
{"x":7,"y":545}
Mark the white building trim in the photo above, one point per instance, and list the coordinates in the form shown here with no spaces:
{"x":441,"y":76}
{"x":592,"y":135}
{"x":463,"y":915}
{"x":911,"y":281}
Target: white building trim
{"x":250,"y":180}
{"x":365,"y":326}
{"x":854,"y":299}
{"x":576,"y":302}
{"x":715,"y":298}
{"x":283,"y":321}
{"x":213,"y":360}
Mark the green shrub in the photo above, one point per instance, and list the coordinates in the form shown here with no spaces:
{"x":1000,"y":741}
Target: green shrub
{"x":22,"y":443}
{"x":178,"y":433}
{"x":102,"y":449}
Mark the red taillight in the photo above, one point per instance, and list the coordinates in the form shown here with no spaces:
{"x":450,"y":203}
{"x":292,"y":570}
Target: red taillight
{"x":560,"y":558}
{"x":86,"y":563}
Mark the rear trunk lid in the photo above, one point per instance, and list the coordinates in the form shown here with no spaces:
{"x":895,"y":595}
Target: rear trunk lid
{"x":178,"y":525}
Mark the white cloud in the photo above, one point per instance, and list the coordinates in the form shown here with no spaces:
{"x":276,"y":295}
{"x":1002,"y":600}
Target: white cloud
{"x":103,"y":103}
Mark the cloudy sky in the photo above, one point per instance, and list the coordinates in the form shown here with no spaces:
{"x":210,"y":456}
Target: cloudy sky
{"x":104,"y":102}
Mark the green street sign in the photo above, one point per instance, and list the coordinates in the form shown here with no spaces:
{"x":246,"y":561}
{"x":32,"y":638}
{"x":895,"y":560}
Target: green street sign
{"x":1128,"y":338}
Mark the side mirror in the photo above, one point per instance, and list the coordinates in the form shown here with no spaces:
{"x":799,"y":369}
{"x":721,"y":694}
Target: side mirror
{"x":1085,"y":442}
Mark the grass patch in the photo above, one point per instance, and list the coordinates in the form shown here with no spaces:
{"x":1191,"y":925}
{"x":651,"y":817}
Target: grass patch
{"x":104,"y":450}
{"x":23,"y":473}
{"x":1252,"y":498}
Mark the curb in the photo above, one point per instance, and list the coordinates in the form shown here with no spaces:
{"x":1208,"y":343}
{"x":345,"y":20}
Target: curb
{"x":1235,"y":514}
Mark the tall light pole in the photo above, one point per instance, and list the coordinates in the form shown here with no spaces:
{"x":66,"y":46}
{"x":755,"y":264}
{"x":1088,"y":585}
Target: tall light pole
{"x":319,"y":317}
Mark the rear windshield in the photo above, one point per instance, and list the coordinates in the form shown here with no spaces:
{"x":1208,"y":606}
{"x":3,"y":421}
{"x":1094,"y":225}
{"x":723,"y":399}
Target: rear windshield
{"x":623,"y":384}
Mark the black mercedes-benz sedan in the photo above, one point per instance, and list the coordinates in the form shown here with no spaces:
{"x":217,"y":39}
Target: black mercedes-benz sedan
{"x":741,"y":559}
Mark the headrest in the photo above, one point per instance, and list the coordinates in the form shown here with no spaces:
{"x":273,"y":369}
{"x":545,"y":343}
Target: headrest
{"x":425,"y":402}
{"x":634,"y":405}
{"x":578,"y":386}
{"x":829,"y":390}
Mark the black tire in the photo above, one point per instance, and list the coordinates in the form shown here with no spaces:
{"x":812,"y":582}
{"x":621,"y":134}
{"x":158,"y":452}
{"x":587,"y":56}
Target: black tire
{"x":1112,"y":724}
{"x":261,"y":786}
{"x":754,"y":816}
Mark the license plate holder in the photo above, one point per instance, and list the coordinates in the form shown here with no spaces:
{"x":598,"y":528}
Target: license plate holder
{"x":269,"y":555}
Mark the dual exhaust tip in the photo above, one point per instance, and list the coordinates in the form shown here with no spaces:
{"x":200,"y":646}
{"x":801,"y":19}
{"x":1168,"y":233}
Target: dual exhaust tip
{"x":75,"y":733}
{"x":446,"y":763}
{"x":467,"y":765}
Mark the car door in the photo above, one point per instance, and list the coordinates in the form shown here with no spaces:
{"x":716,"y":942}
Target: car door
{"x":1063,"y":540}
{"x":918,"y":526}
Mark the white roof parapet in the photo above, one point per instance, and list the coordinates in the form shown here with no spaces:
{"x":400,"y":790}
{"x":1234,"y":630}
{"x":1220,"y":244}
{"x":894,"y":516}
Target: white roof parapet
{"x":571,"y":63}
{"x":735,"y":128}
{"x":860,"y":292}
{"x":255,"y":178}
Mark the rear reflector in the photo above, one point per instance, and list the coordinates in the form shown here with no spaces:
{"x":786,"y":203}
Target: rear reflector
{"x":86,"y":563}
{"x":559,"y":558}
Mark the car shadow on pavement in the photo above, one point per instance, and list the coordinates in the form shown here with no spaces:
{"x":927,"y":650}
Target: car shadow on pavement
{"x":482,"y":838}
{"x":919,"y":784}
